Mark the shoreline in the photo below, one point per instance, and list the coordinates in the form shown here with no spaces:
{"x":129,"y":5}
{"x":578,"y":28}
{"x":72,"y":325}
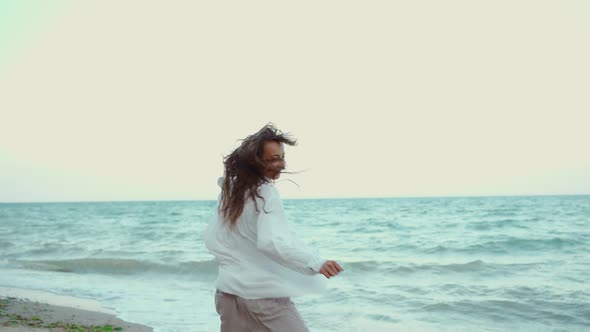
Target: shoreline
{"x":23,"y":310}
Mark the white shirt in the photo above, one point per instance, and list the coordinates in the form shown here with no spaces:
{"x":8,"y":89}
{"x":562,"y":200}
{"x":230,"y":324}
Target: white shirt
{"x":261,"y":257}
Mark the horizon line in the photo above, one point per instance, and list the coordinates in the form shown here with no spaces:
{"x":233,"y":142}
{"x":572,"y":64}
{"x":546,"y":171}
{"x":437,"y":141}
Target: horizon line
{"x":287,"y":199}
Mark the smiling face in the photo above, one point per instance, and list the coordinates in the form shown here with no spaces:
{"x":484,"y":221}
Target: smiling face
{"x":274,"y":156}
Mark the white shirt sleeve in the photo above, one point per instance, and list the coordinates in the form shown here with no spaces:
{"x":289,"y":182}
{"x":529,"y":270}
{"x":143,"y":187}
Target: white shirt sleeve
{"x":278,"y":242}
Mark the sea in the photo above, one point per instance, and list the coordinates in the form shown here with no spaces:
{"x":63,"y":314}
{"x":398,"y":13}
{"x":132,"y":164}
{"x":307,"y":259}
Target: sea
{"x":519,"y":263}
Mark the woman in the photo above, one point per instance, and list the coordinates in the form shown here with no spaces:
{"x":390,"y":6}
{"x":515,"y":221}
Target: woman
{"x":261,"y":262}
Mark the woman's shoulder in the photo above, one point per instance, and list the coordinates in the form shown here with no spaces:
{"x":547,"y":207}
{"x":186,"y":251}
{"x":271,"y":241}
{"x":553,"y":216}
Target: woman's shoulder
{"x":268,"y":189}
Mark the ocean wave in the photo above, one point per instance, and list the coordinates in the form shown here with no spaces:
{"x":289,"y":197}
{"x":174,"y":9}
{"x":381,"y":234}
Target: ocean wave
{"x":503,"y":223}
{"x":515,"y":310}
{"x":469,"y":267}
{"x":509,"y":245}
{"x":376,"y":265}
{"x":6,"y":244}
{"x":119,"y":266}
{"x":514,"y":244}
{"x":475,"y":266}
{"x":113,"y":266}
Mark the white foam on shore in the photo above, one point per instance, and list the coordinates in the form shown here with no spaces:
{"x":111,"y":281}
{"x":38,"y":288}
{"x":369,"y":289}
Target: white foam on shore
{"x":55,"y":299}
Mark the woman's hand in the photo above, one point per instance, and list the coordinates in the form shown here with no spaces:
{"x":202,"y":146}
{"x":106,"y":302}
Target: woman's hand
{"x":330,"y":269}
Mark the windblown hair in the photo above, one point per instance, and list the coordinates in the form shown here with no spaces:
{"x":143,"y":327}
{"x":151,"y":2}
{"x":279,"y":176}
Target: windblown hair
{"x":244,"y":171}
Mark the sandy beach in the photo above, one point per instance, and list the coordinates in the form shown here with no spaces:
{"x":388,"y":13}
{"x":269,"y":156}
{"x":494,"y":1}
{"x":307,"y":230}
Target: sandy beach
{"x":27,"y":312}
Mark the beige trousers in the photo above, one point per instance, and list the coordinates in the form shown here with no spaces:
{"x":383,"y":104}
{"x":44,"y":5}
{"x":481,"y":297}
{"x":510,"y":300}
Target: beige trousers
{"x":273,"y":314}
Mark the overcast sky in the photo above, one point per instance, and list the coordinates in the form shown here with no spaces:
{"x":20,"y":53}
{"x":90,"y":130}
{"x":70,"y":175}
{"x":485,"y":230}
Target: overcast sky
{"x":140,"y":100}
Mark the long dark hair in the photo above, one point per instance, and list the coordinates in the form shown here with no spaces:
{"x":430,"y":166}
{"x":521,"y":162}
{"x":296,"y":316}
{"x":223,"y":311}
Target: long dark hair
{"x":244,"y":171}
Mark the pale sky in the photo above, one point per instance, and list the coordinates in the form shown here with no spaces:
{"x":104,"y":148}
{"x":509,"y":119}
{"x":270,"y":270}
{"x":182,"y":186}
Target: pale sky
{"x":139,"y":100}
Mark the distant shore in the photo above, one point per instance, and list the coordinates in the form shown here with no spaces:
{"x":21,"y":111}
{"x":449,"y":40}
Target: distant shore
{"x":21,"y":312}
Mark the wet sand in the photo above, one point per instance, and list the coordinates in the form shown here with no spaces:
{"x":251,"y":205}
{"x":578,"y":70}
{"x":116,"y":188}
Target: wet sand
{"x":25,"y":315}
